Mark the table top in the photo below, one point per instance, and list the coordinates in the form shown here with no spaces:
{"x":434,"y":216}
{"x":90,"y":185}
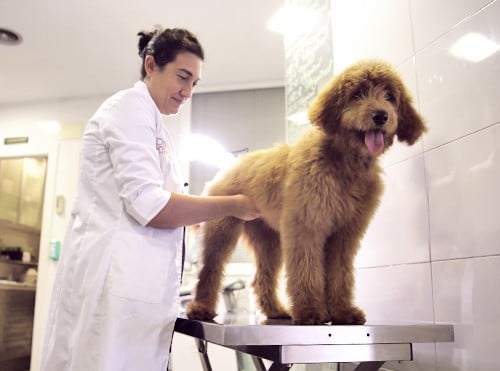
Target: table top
{"x":243,"y":329}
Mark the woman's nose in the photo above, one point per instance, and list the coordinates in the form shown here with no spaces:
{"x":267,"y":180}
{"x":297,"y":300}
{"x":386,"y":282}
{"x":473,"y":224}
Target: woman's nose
{"x":186,"y":91}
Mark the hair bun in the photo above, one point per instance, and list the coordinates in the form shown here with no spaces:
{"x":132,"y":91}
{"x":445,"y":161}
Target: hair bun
{"x":144,"y":38}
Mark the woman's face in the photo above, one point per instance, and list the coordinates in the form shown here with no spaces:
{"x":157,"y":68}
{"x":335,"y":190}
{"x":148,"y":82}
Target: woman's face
{"x":174,"y":84}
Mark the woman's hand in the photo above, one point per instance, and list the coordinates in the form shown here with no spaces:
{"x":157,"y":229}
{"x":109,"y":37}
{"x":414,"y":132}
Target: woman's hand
{"x":245,"y":208}
{"x":182,"y":210}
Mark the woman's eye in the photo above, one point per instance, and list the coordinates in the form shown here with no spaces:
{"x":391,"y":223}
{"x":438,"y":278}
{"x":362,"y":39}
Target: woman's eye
{"x":184,"y":78}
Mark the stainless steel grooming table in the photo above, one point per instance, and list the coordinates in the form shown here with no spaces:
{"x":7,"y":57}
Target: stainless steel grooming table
{"x":285,"y":344}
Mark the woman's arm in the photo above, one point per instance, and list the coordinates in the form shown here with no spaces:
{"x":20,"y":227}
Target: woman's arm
{"x":183,"y":210}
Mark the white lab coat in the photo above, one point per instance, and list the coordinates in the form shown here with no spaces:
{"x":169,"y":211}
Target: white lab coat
{"x":115,"y":298}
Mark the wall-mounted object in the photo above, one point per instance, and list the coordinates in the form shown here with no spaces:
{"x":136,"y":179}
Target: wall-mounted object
{"x":15,"y":140}
{"x":60,"y":204}
{"x":54,"y":250}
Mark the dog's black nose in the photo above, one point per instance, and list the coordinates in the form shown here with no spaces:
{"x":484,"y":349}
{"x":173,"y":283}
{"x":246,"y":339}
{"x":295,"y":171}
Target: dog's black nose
{"x":379,"y":117}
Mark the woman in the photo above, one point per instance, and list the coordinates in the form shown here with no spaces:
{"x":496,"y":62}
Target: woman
{"x":115,"y":299}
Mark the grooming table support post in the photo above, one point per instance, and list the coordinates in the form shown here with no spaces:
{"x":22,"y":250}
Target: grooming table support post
{"x":365,"y":366}
{"x":243,"y":361}
{"x":259,"y":365}
{"x":280,"y":367}
{"x":202,"y":352}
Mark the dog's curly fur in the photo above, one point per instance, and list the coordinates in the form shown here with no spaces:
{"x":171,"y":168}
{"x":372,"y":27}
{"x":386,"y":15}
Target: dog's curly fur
{"x":317,"y":198}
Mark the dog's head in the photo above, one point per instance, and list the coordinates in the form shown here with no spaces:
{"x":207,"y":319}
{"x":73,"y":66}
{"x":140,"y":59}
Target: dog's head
{"x":367,"y":104}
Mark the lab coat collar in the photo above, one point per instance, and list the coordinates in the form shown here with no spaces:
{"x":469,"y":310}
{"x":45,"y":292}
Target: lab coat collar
{"x":143,"y":88}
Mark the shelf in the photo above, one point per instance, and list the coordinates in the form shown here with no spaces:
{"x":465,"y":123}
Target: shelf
{"x":18,"y":227}
{"x":19,"y":262}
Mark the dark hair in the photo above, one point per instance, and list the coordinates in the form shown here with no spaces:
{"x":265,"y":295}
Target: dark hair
{"x":164,"y":45}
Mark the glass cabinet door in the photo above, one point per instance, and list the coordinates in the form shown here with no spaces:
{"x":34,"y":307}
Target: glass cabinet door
{"x":11,"y":172}
{"x":33,"y":184}
{"x":22,"y":185}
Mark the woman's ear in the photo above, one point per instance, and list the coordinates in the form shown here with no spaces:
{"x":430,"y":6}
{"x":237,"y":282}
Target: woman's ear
{"x":149,"y":64}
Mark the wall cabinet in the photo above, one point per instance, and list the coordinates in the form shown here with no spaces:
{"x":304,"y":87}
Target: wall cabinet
{"x":22,"y":183}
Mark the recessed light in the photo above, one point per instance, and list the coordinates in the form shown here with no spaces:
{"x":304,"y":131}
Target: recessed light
{"x":293,"y":19}
{"x":50,"y":126}
{"x":474,"y":47}
{"x":9,"y":37}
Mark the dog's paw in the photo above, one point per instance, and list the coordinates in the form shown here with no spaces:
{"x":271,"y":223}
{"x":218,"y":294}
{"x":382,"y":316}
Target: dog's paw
{"x":199,"y":311}
{"x":308,"y":317}
{"x":348,"y":316}
{"x":278,"y":314}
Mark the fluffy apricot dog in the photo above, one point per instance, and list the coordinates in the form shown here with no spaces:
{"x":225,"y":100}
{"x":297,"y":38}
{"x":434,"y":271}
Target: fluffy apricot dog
{"x":317,"y":198}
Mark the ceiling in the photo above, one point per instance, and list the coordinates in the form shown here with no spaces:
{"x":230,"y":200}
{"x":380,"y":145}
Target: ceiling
{"x":86,"y":48}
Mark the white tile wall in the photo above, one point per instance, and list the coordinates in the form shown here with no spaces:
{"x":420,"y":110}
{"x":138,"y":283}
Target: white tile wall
{"x":432,"y":19}
{"x":463,"y":183}
{"x":459,"y":97}
{"x":399,"y":233}
{"x":466,"y":294}
{"x":366,"y":28}
{"x":432,"y":251}
{"x":399,"y":293}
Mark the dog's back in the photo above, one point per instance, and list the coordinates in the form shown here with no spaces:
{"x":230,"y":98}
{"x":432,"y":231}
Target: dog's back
{"x":259,"y":175}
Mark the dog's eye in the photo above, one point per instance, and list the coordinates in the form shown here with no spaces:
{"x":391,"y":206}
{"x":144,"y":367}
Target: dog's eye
{"x":390,"y":97}
{"x":359,"y":94}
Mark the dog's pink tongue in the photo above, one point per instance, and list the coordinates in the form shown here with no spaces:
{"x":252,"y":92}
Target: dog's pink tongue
{"x":374,"y":141}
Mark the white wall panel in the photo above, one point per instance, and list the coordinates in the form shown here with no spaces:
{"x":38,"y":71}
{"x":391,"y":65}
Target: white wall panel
{"x":399,"y":233}
{"x":457,"y":96}
{"x":463,"y":182}
{"x":466,"y":294}
{"x":398,"y":294}
{"x":370,"y":29}
{"x":431,"y":19}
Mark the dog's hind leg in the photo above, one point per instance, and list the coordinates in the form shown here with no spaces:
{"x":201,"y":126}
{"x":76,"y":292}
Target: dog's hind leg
{"x":341,"y":250}
{"x":265,"y":243}
{"x":219,"y":240}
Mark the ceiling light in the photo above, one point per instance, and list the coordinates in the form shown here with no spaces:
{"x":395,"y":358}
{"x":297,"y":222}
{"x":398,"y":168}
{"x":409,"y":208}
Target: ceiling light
{"x":474,"y":47}
{"x":293,"y":19}
{"x":51,"y":127}
{"x":9,"y":37}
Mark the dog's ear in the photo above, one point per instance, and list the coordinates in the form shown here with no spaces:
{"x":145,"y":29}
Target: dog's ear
{"x":410,"y":124}
{"x":326,"y":108}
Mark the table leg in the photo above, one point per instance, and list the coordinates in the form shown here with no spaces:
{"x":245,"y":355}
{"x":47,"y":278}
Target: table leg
{"x":202,"y":352}
{"x":245,"y":361}
{"x":369,"y":366}
{"x":280,"y":367}
{"x":259,"y":365}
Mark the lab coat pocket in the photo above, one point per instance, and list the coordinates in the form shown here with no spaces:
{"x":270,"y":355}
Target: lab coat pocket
{"x":141,"y":267}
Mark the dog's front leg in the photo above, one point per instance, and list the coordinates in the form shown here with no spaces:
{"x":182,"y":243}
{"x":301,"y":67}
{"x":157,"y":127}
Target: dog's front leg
{"x":303,"y":249}
{"x":340,"y":251}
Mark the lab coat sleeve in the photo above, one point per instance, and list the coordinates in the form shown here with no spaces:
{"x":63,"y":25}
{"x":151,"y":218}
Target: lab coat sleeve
{"x":129,"y":132}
